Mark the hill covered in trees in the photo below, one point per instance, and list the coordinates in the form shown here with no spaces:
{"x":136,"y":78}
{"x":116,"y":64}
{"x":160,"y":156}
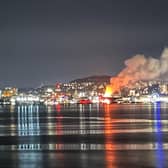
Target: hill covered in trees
{"x":96,"y":79}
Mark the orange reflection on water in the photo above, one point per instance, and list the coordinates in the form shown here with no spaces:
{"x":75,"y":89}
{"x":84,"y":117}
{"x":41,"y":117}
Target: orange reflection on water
{"x":110,"y":157}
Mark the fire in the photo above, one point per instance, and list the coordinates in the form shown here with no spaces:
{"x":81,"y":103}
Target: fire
{"x":141,"y":68}
{"x":109,"y":91}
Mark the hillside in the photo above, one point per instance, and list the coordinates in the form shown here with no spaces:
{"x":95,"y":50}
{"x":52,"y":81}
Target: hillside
{"x":96,"y":79}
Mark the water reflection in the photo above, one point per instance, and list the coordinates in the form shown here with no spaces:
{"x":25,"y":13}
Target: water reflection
{"x":59,"y":117}
{"x":29,"y":129}
{"x":108,"y":133}
{"x":112,"y":135}
{"x":159,"y":136}
{"x":28,"y":125}
{"x":59,"y":126}
{"x":82,"y":124}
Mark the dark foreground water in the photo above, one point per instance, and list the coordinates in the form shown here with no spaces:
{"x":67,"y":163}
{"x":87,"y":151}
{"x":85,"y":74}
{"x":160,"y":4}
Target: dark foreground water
{"x":110,"y":136}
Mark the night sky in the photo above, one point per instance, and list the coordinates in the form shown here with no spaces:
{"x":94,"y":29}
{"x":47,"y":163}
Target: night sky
{"x":61,"y":40}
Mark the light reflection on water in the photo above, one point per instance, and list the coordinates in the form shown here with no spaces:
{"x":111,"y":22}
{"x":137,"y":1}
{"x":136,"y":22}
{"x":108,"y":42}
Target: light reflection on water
{"x":87,"y":147}
{"x":86,"y":128}
{"x":28,"y":125}
{"x":110,"y":158}
{"x":159,"y":136}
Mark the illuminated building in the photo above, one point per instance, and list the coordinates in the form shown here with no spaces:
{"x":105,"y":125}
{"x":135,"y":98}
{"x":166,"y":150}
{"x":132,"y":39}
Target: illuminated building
{"x":163,"y":88}
{"x":26,"y":99}
{"x":9,"y":92}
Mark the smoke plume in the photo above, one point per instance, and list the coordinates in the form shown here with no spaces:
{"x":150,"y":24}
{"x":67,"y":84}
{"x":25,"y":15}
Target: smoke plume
{"x":140,"y":68}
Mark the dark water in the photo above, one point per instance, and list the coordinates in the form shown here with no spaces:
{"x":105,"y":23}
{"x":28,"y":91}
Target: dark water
{"x":84,"y":136}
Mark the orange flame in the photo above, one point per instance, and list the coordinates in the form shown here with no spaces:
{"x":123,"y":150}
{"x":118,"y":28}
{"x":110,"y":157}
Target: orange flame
{"x":109,"y":91}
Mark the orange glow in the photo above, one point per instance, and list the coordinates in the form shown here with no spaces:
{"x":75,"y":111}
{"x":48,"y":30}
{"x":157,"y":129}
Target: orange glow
{"x":109,"y":91}
{"x":119,"y":82}
{"x":9,"y":92}
{"x":109,"y":145}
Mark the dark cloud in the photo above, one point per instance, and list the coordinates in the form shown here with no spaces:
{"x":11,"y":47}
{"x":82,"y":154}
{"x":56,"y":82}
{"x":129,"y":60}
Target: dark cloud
{"x":61,"y":40}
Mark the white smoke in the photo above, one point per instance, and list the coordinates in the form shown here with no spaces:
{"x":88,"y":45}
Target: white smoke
{"x":139,"y":68}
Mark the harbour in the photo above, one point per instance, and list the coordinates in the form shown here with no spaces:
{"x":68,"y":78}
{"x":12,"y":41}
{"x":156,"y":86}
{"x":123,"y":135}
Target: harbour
{"x":93,"y":134}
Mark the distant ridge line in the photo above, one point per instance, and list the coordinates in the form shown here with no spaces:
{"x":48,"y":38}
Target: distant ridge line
{"x":94,"y":78}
